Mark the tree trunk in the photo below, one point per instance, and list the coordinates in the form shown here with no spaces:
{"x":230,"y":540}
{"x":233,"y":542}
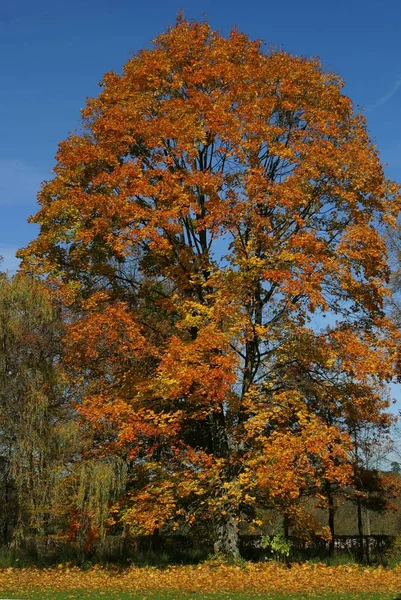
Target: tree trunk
{"x":360,"y":531}
{"x":368,"y":534}
{"x":332,"y":510}
{"x":227,"y":542}
{"x":7,"y":513}
{"x":286,"y":526}
{"x":367,"y":516}
{"x":227,"y":539}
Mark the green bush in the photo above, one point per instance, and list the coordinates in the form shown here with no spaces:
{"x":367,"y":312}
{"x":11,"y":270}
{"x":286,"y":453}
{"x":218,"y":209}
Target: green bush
{"x":392,"y":556}
{"x":278,"y":545}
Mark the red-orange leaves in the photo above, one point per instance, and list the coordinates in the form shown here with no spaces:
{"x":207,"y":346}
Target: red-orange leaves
{"x":106,"y":339}
{"x":202,"y":368}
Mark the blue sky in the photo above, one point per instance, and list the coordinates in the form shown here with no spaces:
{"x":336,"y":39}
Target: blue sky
{"x":54,"y":53}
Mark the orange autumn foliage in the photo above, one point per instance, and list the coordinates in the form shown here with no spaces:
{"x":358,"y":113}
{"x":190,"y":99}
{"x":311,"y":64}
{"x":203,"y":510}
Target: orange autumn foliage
{"x":217,"y":204}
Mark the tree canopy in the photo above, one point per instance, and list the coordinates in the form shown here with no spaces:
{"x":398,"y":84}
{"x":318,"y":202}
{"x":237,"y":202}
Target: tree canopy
{"x":218,"y":206}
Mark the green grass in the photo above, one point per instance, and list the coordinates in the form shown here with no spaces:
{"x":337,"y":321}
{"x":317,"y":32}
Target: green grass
{"x":107,"y":595}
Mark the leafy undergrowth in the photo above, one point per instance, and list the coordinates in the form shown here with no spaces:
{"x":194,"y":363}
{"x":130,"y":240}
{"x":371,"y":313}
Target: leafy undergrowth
{"x":204,"y":582}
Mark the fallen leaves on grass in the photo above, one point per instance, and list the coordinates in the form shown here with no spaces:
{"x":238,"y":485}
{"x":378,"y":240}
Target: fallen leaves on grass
{"x":207,"y":578}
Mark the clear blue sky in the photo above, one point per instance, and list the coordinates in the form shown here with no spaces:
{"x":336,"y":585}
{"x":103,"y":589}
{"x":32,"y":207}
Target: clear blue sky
{"x":54,"y":53}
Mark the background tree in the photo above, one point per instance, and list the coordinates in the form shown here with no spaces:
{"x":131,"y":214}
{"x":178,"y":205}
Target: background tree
{"x":32,"y":406}
{"x":51,"y":485}
{"x":373,"y":489}
{"x":238,"y":195}
{"x":358,"y":411}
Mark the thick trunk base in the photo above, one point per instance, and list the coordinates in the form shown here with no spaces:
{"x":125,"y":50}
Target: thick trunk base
{"x":227,"y":542}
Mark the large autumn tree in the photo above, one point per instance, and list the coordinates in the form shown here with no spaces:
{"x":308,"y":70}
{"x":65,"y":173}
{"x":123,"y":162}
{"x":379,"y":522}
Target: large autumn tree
{"x":217,"y":204}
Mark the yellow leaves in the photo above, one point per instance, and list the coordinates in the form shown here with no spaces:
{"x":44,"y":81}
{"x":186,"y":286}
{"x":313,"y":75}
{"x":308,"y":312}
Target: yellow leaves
{"x":282,"y":150}
{"x":194,"y":314}
{"x":210,"y":577}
